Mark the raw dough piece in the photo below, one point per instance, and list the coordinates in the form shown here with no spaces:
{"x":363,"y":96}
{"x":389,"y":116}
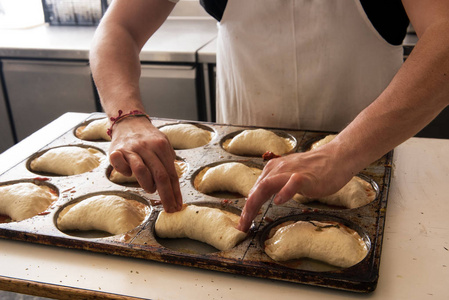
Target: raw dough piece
{"x":186,"y":136}
{"x":70,"y":160}
{"x":213,"y":226}
{"x":256,"y":142}
{"x":356,"y":193}
{"x":231,"y":177}
{"x":110,"y":213}
{"x":117,"y":177}
{"x":24,"y":200}
{"x":95,"y":130}
{"x":323,"y":141}
{"x":329,"y":242}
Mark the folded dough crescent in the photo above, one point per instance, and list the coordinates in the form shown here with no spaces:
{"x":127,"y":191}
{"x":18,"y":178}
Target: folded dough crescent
{"x":109,"y":213}
{"x":231,"y":177}
{"x":213,"y":226}
{"x":118,"y":177}
{"x":68,"y":160}
{"x":257,"y":142}
{"x":95,"y":130}
{"x":24,"y":200}
{"x":327,"y":139}
{"x":356,"y":193}
{"x":186,"y":136}
{"x":329,"y":242}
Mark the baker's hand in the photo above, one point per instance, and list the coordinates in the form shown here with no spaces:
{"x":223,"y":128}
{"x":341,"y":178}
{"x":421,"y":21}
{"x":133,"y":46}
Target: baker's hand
{"x":139,"y":148}
{"x":312,"y":174}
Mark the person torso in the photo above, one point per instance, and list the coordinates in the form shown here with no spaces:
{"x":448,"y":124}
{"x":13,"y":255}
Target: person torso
{"x":304,"y":64}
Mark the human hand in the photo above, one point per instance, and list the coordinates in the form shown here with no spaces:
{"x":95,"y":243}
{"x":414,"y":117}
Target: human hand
{"x":139,"y":148}
{"x":312,"y":174}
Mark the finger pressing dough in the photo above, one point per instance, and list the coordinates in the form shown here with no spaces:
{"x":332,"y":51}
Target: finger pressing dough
{"x":213,"y":226}
{"x":24,"y":200}
{"x":186,"y":136}
{"x":323,"y":141}
{"x":95,"y":130}
{"x":70,"y":160}
{"x":257,"y":142}
{"x":119,"y":178}
{"x":356,"y":193}
{"x":329,"y":242}
{"x":231,"y":177}
{"x":109,"y":213}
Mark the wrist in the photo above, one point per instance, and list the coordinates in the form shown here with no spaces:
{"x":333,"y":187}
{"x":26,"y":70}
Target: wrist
{"x":352,"y":158}
{"x":121,"y":116}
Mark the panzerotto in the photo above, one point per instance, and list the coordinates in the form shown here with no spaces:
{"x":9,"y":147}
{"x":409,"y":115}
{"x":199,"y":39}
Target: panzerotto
{"x":231,"y":177}
{"x":213,"y":226}
{"x":256,"y":142}
{"x":68,"y":160}
{"x":24,"y":200}
{"x":186,"y":136}
{"x":329,"y":242}
{"x":109,"y":213}
{"x":95,"y":130}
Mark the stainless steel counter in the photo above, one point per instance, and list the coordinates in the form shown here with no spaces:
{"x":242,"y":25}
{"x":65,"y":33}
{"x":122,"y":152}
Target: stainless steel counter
{"x":177,"y":40}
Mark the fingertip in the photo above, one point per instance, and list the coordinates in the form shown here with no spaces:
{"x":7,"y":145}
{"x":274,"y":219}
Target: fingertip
{"x":243,"y":222}
{"x":278,"y":199}
{"x":119,"y":163}
{"x":179,"y":206}
{"x":241,"y":227}
{"x":171,"y":209}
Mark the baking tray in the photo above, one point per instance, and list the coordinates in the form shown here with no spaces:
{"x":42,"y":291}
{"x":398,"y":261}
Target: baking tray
{"x":248,"y":258}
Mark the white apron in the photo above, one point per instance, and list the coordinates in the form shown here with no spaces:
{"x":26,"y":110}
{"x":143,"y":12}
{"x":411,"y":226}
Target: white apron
{"x":303,"y":64}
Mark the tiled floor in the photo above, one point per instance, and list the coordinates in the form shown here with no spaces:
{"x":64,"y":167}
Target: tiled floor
{"x":13,"y":296}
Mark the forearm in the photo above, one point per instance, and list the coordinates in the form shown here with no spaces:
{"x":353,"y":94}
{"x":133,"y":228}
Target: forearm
{"x":416,"y":95}
{"x":116,"y":70}
{"x":114,"y":55}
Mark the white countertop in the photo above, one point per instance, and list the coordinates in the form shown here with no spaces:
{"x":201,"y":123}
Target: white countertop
{"x":414,"y":262}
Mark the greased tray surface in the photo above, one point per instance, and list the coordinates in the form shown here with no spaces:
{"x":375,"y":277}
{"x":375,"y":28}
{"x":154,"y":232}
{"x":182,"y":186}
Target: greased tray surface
{"x":248,"y":258}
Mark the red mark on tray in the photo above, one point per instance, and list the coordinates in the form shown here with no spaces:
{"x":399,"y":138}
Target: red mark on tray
{"x":268,"y":219}
{"x":43,"y":213}
{"x":226,"y":201}
{"x":156,"y":202}
{"x":4,"y":219}
{"x":41,"y":178}
{"x":269,"y":155}
{"x":65,"y":191}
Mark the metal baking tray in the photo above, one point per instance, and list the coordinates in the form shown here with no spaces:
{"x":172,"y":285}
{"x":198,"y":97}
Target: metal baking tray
{"x":248,"y":258}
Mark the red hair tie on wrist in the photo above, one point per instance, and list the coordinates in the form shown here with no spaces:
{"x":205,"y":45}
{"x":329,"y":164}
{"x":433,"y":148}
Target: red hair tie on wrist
{"x":121,"y":116}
